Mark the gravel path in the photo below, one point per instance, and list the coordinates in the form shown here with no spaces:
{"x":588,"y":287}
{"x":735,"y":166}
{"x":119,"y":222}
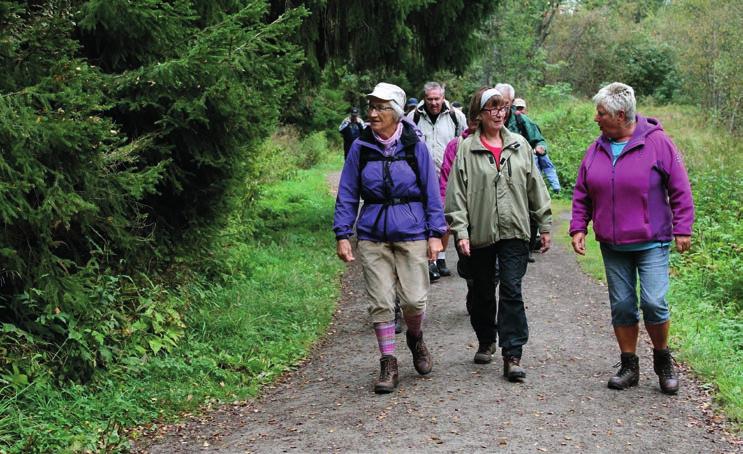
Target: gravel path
{"x":328,"y":404}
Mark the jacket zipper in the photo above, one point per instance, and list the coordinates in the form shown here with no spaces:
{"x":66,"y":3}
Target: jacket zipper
{"x":613,"y":204}
{"x":613,"y":189}
{"x":497,"y":210}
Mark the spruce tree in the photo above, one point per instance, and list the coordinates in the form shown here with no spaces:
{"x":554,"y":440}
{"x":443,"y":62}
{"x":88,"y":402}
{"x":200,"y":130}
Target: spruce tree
{"x":122,"y":126}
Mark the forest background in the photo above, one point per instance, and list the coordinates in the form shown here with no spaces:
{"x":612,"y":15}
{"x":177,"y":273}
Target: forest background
{"x":162,"y":164}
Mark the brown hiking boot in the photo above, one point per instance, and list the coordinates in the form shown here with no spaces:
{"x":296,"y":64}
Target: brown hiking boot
{"x":667,"y":376}
{"x":388,"y":376}
{"x":422,"y":360}
{"x":512,"y":369}
{"x":484,"y":353}
{"x":628,"y":374}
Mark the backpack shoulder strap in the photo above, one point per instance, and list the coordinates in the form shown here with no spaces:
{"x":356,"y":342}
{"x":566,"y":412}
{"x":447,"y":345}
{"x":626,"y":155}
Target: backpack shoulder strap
{"x":453,"y":115}
{"x":416,"y":116}
{"x":366,"y":154}
{"x":413,"y":163}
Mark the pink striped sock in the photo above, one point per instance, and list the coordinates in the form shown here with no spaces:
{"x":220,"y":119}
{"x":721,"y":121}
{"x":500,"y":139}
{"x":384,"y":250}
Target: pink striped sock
{"x":414,"y":323}
{"x":385,"y":332}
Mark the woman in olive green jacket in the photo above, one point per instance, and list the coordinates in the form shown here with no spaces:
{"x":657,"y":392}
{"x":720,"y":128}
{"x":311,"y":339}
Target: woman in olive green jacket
{"x":493,"y":189}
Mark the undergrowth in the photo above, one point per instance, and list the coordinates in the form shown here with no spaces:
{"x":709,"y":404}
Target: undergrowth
{"x":273,"y":295}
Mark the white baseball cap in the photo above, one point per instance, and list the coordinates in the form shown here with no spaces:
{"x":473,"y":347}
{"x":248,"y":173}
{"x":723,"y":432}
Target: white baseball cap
{"x":389,"y":92}
{"x":518,"y":102}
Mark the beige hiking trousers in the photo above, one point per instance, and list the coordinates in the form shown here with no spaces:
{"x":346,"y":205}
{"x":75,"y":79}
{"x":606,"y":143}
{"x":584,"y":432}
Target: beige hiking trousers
{"x":398,"y":268}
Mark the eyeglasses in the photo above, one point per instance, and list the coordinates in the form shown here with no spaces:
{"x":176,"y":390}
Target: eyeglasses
{"x":378,"y":108}
{"x":497,"y":111}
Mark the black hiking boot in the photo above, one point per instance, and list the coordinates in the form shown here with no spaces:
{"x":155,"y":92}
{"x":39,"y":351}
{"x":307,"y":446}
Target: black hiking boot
{"x":628,"y":374}
{"x":433,"y":272}
{"x":512,"y":369}
{"x":664,"y":367}
{"x":443,"y":269}
{"x":484,"y":353}
{"x":422,"y":360}
{"x":398,"y":316}
{"x":388,"y":376}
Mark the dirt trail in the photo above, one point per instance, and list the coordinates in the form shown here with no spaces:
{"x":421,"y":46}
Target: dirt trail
{"x":328,"y":405}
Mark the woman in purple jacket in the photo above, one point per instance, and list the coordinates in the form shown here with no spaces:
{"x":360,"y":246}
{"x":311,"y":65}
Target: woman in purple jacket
{"x":399,"y":227}
{"x":633,"y":185}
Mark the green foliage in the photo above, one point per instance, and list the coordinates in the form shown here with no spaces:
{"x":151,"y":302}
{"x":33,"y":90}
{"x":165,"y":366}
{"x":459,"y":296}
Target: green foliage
{"x":33,"y":41}
{"x":513,"y":37}
{"x":205,"y":112}
{"x":233,"y":342}
{"x":415,"y":37}
{"x":568,"y":126}
{"x":68,"y":204}
{"x":584,"y":51}
{"x":705,"y":34}
{"x":124,"y":126}
{"x":325,"y":107}
{"x":126,"y":34}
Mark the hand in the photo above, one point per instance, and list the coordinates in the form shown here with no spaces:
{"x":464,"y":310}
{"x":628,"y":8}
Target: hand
{"x":464,"y":247}
{"x":546,"y":242}
{"x":434,"y":247}
{"x":579,"y":243}
{"x":345,"y":251}
{"x":540,"y":150}
{"x":683,"y":243}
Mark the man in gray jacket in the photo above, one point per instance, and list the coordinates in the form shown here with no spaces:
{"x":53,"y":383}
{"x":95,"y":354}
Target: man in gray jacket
{"x":439,"y":123}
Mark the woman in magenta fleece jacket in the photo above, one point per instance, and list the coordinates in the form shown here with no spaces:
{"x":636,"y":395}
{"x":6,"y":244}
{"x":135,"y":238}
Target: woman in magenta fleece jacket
{"x":633,"y":185}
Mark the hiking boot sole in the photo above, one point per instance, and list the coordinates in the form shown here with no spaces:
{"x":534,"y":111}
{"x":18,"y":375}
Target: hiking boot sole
{"x":515,"y":376}
{"x":424,"y":371}
{"x":669,"y":391}
{"x":383,"y":389}
{"x":619,"y":386}
{"x":483,"y":359}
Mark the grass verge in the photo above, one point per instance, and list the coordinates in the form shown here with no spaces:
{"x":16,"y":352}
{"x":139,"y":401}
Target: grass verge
{"x":243,"y":332}
{"x":591,"y":263}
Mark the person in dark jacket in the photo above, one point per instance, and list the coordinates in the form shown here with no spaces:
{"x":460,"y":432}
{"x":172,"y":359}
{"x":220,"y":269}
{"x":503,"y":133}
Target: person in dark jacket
{"x":350,"y":129}
{"x":399,"y":227}
{"x":633,"y":185}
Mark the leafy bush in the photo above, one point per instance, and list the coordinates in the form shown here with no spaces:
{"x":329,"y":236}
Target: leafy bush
{"x":569,"y":128}
{"x":583,"y":54}
{"x":705,"y":36}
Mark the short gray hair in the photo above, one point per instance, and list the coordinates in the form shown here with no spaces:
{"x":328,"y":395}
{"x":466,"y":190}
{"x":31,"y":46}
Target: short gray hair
{"x":428,"y":86}
{"x":397,"y":111}
{"x":506,"y":90}
{"x":617,"y":97}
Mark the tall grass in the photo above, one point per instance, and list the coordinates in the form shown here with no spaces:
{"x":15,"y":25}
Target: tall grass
{"x":706,"y":294}
{"x":275,"y":296}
